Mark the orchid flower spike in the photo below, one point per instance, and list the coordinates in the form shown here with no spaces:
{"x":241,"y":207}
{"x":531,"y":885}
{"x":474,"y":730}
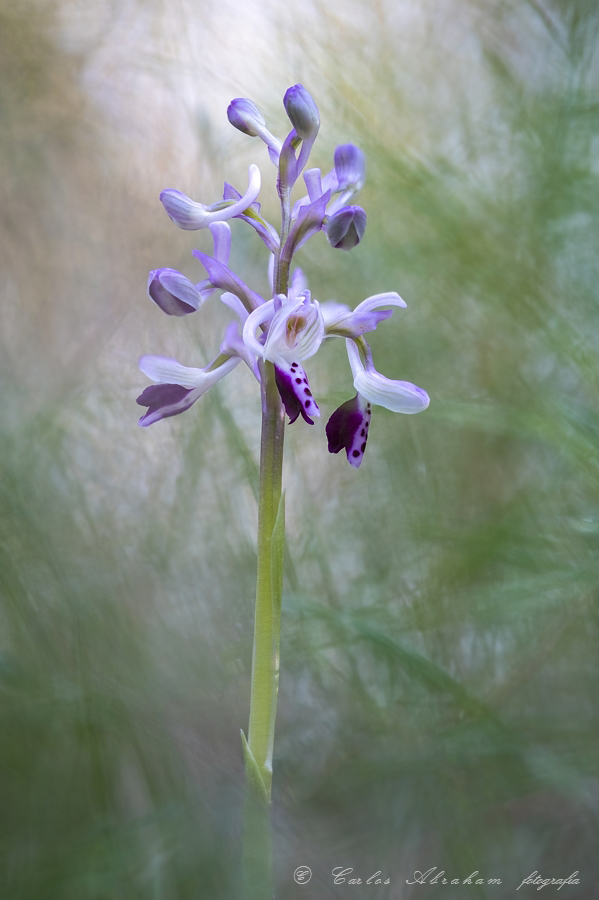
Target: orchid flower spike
{"x":288,"y":327}
{"x":191,"y":216}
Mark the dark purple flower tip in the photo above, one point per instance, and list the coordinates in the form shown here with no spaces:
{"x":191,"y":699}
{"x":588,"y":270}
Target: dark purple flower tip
{"x":302,"y":111}
{"x":173,"y":292}
{"x":347,"y":429}
{"x":164,"y":400}
{"x":350,"y":166}
{"x":246,"y":117}
{"x":345,"y":229}
{"x":295,"y":392}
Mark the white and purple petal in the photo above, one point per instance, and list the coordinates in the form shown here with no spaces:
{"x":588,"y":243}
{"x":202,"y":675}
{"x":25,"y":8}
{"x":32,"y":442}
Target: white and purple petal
{"x":398,"y":396}
{"x":178,"y":386}
{"x":343,"y":322}
{"x":296,"y":330}
{"x":293,"y":387}
{"x":347,"y":429}
{"x":233,"y":345}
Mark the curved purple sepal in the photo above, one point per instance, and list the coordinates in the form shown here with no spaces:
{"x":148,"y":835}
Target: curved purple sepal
{"x":309,"y":221}
{"x":223,"y":278}
{"x":164,"y":400}
{"x":347,"y":429}
{"x":295,"y":392}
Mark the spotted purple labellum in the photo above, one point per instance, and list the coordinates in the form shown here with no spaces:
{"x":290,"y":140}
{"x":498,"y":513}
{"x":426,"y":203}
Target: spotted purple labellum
{"x":347,"y":429}
{"x":292,"y":384}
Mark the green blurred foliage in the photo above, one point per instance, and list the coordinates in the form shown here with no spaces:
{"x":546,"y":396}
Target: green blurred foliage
{"x":439,"y":676}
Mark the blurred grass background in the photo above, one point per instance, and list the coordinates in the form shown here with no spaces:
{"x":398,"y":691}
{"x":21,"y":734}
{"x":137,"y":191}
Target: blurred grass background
{"x":439,"y":661}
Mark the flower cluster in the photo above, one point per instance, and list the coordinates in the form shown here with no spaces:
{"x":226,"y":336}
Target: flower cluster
{"x":289,"y":327}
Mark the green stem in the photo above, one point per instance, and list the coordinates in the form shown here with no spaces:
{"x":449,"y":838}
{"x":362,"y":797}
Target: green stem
{"x":265,"y":663}
{"x":258,"y":749}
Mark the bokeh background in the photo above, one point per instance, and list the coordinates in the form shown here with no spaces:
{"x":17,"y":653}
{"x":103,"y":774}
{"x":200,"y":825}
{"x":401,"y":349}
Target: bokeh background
{"x":439,"y":685}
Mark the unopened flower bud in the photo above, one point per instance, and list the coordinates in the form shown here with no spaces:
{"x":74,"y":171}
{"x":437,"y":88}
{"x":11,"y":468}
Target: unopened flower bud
{"x":346,"y":227}
{"x":302,"y":111}
{"x":173,"y":292}
{"x":350,"y":167}
{"x":245,"y":116}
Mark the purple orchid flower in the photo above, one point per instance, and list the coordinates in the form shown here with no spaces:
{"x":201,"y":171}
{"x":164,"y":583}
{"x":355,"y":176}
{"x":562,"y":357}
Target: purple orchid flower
{"x":285,"y":329}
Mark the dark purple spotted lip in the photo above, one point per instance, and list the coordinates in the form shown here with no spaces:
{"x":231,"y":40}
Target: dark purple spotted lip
{"x":347,"y":429}
{"x":292,"y":384}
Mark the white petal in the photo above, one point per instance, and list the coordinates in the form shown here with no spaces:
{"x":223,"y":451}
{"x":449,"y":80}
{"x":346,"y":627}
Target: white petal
{"x":234,"y":345}
{"x":378,"y":300}
{"x":165,"y":370}
{"x":234,"y":303}
{"x":398,"y":396}
{"x":296,"y":331}
{"x":252,"y":323}
{"x":271,"y":272}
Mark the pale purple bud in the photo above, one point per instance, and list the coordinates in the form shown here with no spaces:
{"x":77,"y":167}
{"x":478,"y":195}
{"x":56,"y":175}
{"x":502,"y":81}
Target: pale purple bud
{"x":246,"y":117}
{"x":350,"y":167}
{"x":345,"y":229}
{"x":302,"y":111}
